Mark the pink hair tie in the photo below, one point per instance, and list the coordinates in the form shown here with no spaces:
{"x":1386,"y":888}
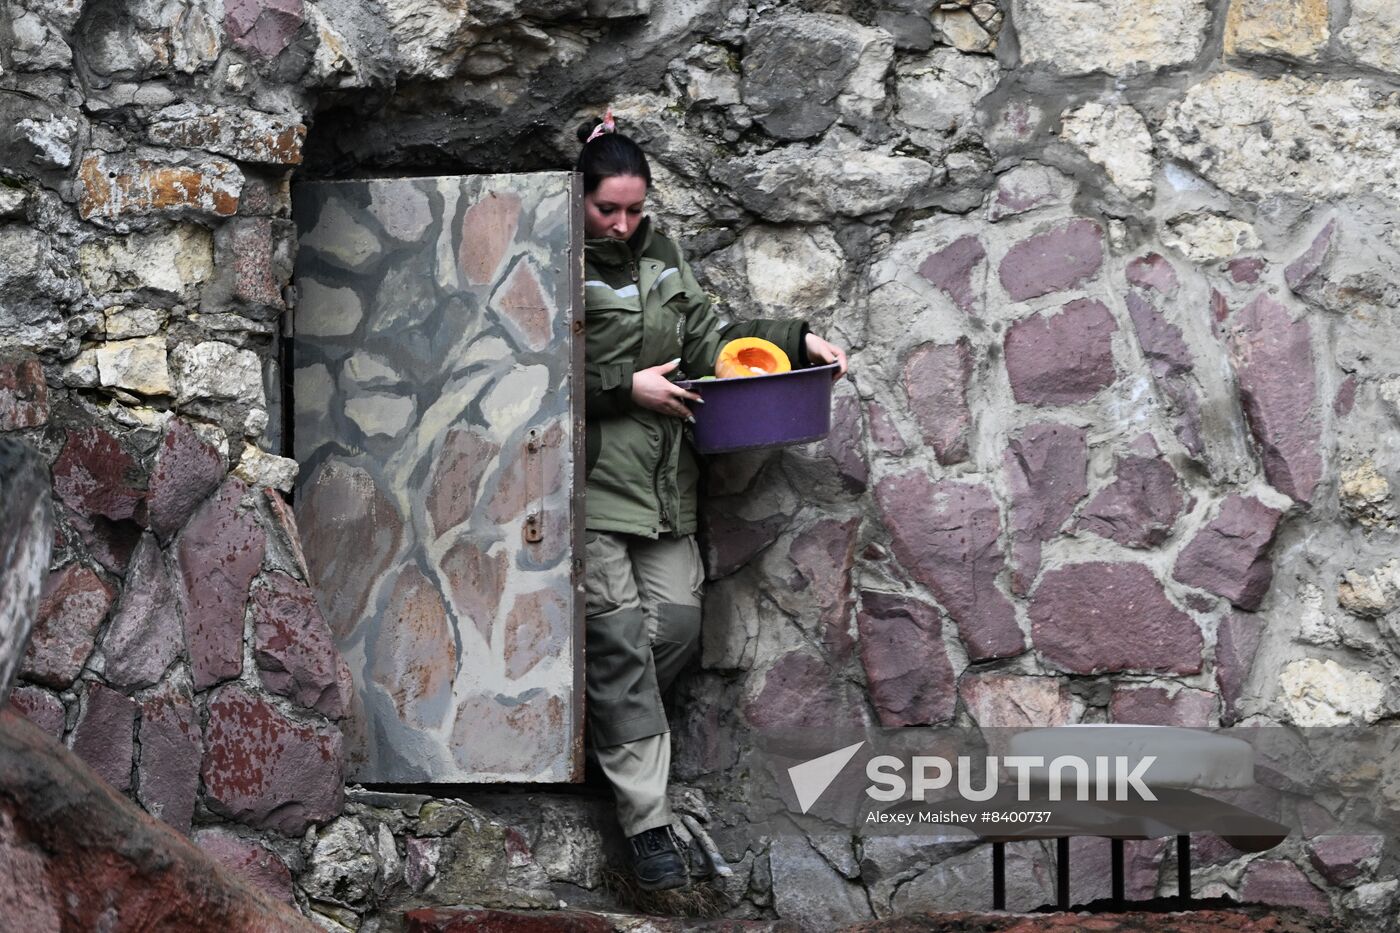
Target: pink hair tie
{"x":607,"y":126}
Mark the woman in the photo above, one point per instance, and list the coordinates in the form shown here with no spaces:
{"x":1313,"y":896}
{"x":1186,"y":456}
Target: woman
{"x":648,"y":322}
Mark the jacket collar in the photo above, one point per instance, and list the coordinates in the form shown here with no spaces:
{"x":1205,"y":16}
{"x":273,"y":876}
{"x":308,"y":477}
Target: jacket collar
{"x":610,"y":252}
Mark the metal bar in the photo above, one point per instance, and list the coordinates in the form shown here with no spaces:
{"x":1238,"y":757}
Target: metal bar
{"x":1183,"y":867}
{"x":998,"y":876}
{"x":1062,"y":872}
{"x":1116,"y":848}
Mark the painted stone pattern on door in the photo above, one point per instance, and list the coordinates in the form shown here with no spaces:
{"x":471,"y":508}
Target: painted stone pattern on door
{"x":440,"y":495}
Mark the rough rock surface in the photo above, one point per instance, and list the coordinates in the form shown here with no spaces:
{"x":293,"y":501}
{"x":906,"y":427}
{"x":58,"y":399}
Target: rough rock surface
{"x":951,"y":269}
{"x":924,"y":188}
{"x":86,"y":858}
{"x":935,"y":381}
{"x":787,"y":185}
{"x":1230,"y":555}
{"x":1155,"y":706}
{"x":1059,"y":258}
{"x":219,"y":553}
{"x":1045,"y":468}
{"x":293,"y":648}
{"x":947,"y":535}
{"x":24,"y":397}
{"x":1064,"y":357}
{"x":41,"y":708}
{"x":1205,"y":237}
{"x":74,"y":602}
{"x":905,"y":662}
{"x":1120,"y":37}
{"x":262,"y":769}
{"x":1140,"y":507}
{"x":145,"y":635}
{"x":1006,"y":701}
{"x":1294,"y":28}
{"x":825,"y":556}
{"x":1365,"y":495}
{"x":104,"y":736}
{"x":1237,"y":640}
{"x":1073,"y":607}
{"x":171,"y":751}
{"x":800,"y":692}
{"x":256,"y":864}
{"x":797,"y":68}
{"x":1276,"y":881}
{"x":1216,"y":128}
{"x":1324,"y":693}
{"x":1274,"y":360}
{"x":1116,"y":138}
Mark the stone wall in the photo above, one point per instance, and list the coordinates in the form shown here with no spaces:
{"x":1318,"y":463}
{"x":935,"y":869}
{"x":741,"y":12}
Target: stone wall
{"x":1117,"y":279}
{"x":145,"y":224}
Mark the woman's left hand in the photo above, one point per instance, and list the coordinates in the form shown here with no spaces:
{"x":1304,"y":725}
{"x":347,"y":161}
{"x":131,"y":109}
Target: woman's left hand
{"x":820,"y":351}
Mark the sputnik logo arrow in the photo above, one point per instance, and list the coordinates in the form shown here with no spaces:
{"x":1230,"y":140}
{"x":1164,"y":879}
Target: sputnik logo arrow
{"x":811,"y":778}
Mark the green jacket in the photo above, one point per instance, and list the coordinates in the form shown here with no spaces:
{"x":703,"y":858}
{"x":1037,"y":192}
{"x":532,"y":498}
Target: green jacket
{"x":644,"y":308}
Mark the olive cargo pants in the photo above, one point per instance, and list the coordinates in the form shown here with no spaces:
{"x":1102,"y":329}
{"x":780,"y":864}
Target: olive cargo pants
{"x":642,"y":626}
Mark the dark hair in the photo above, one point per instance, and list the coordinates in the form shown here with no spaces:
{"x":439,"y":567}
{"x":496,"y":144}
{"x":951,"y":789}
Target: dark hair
{"x":610,"y":155}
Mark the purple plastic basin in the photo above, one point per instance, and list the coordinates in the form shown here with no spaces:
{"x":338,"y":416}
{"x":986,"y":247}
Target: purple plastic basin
{"x":754,"y":412}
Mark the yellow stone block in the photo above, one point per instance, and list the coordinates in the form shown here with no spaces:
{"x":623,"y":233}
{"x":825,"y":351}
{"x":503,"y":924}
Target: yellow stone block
{"x":1295,"y":28}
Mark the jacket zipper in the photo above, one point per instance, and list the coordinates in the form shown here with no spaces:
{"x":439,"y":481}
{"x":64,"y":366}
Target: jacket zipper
{"x":662,"y":461}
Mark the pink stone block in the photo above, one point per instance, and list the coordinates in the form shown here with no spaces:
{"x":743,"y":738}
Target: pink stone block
{"x":24,"y":396}
{"x":104,"y":736}
{"x":1274,"y":363}
{"x":1053,"y":261}
{"x":824,"y":555}
{"x":219,"y":552}
{"x":800,"y":692}
{"x":1155,"y":706}
{"x":948,"y":536}
{"x":936,"y":378}
{"x":1063,"y":358}
{"x":73,"y":603}
{"x":41,"y":708}
{"x":415,"y":658}
{"x":145,"y":636}
{"x":1098,"y":616}
{"x":95,"y":476}
{"x":1046,"y":468}
{"x":171,"y":751}
{"x":249,"y":860}
{"x":1140,"y":507}
{"x":1281,"y":883}
{"x":295,"y":654}
{"x":262,"y":769}
{"x":906,"y":665}
{"x":1230,"y":555}
{"x":951,"y":271}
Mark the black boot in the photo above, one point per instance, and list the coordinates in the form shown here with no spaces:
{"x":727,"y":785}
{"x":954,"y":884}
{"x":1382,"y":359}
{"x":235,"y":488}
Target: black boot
{"x":657,"y":863}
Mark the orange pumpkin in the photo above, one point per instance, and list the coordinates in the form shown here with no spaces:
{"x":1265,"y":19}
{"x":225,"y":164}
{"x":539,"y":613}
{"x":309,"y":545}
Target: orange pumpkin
{"x":750,"y":356}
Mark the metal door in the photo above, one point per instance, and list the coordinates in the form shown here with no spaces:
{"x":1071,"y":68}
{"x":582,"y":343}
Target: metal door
{"x":438,"y":425}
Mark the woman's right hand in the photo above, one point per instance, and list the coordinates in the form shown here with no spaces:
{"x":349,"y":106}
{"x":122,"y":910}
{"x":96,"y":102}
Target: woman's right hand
{"x":651,"y":389}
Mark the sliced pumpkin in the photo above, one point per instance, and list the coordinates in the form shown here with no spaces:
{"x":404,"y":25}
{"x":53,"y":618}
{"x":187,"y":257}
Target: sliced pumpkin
{"x":750,"y":356}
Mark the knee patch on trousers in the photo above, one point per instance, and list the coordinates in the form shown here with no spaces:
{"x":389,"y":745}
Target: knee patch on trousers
{"x":624,"y":702}
{"x":677,"y":640}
